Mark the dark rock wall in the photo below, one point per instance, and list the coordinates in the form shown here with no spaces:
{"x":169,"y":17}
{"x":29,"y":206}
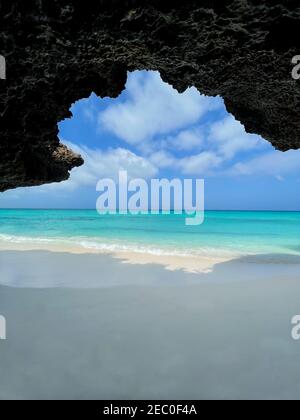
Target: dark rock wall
{"x":60,"y":51}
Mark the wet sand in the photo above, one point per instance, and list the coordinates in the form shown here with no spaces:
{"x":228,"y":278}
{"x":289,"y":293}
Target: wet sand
{"x":91,"y":327}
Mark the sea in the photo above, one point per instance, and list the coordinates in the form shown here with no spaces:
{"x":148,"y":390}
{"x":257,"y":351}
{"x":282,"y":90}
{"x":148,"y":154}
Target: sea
{"x":223,"y":233}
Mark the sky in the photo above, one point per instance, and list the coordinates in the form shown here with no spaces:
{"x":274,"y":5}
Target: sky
{"x":152,"y":131}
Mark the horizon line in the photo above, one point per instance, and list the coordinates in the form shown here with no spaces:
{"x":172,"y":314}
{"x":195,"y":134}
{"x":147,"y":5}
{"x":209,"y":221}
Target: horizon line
{"x":206,"y":210}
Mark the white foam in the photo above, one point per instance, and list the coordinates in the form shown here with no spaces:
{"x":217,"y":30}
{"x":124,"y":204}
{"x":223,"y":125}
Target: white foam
{"x":102,"y":246}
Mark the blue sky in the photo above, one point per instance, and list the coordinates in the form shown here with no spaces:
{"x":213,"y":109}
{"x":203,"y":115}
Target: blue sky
{"x":153,"y":131}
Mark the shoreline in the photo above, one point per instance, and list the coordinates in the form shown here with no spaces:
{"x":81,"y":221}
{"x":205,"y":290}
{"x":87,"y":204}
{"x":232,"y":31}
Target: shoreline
{"x":160,"y":240}
{"x":190,"y":263}
{"x":143,"y":256}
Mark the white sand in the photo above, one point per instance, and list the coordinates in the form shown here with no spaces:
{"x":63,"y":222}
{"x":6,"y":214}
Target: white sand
{"x":189,"y":264}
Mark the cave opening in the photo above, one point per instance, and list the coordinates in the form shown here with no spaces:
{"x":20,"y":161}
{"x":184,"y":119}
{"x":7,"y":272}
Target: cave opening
{"x":152,"y":130}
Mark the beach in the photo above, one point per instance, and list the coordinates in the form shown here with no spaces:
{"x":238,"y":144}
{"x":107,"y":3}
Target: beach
{"x":87,"y":326}
{"x":162,"y":239}
{"x":144,"y":307}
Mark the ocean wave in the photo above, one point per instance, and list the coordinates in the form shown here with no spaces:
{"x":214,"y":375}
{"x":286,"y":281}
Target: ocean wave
{"x":102,"y":246}
{"x":24,"y":239}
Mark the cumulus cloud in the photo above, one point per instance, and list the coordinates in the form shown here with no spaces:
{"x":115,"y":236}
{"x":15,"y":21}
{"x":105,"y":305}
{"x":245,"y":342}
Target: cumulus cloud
{"x":229,"y":137}
{"x":154,"y":108}
{"x":186,"y":140}
{"x":207,"y":150}
{"x":202,"y":164}
{"x":186,"y":132}
{"x":274,"y":163}
{"x":163,"y":159}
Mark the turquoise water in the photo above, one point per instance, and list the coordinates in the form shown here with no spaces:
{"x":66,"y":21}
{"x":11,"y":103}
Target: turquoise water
{"x":222,"y":232}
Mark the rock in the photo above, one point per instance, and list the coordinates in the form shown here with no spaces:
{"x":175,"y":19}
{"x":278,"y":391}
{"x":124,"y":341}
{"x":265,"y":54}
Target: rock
{"x":60,"y":51}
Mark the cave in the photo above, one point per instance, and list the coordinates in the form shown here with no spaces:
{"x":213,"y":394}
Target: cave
{"x":59,"y":52}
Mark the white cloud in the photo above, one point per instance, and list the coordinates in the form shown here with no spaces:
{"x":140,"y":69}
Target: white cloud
{"x":219,"y":143}
{"x":274,"y":163}
{"x":186,"y":140}
{"x":164,"y":126}
{"x":201,"y":164}
{"x":154,"y":108}
{"x":153,"y":113}
{"x":229,"y":137}
{"x":162,"y":159}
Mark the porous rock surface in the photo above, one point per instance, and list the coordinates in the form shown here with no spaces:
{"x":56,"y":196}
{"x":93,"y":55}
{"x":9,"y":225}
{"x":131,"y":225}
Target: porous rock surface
{"x":60,"y":51}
